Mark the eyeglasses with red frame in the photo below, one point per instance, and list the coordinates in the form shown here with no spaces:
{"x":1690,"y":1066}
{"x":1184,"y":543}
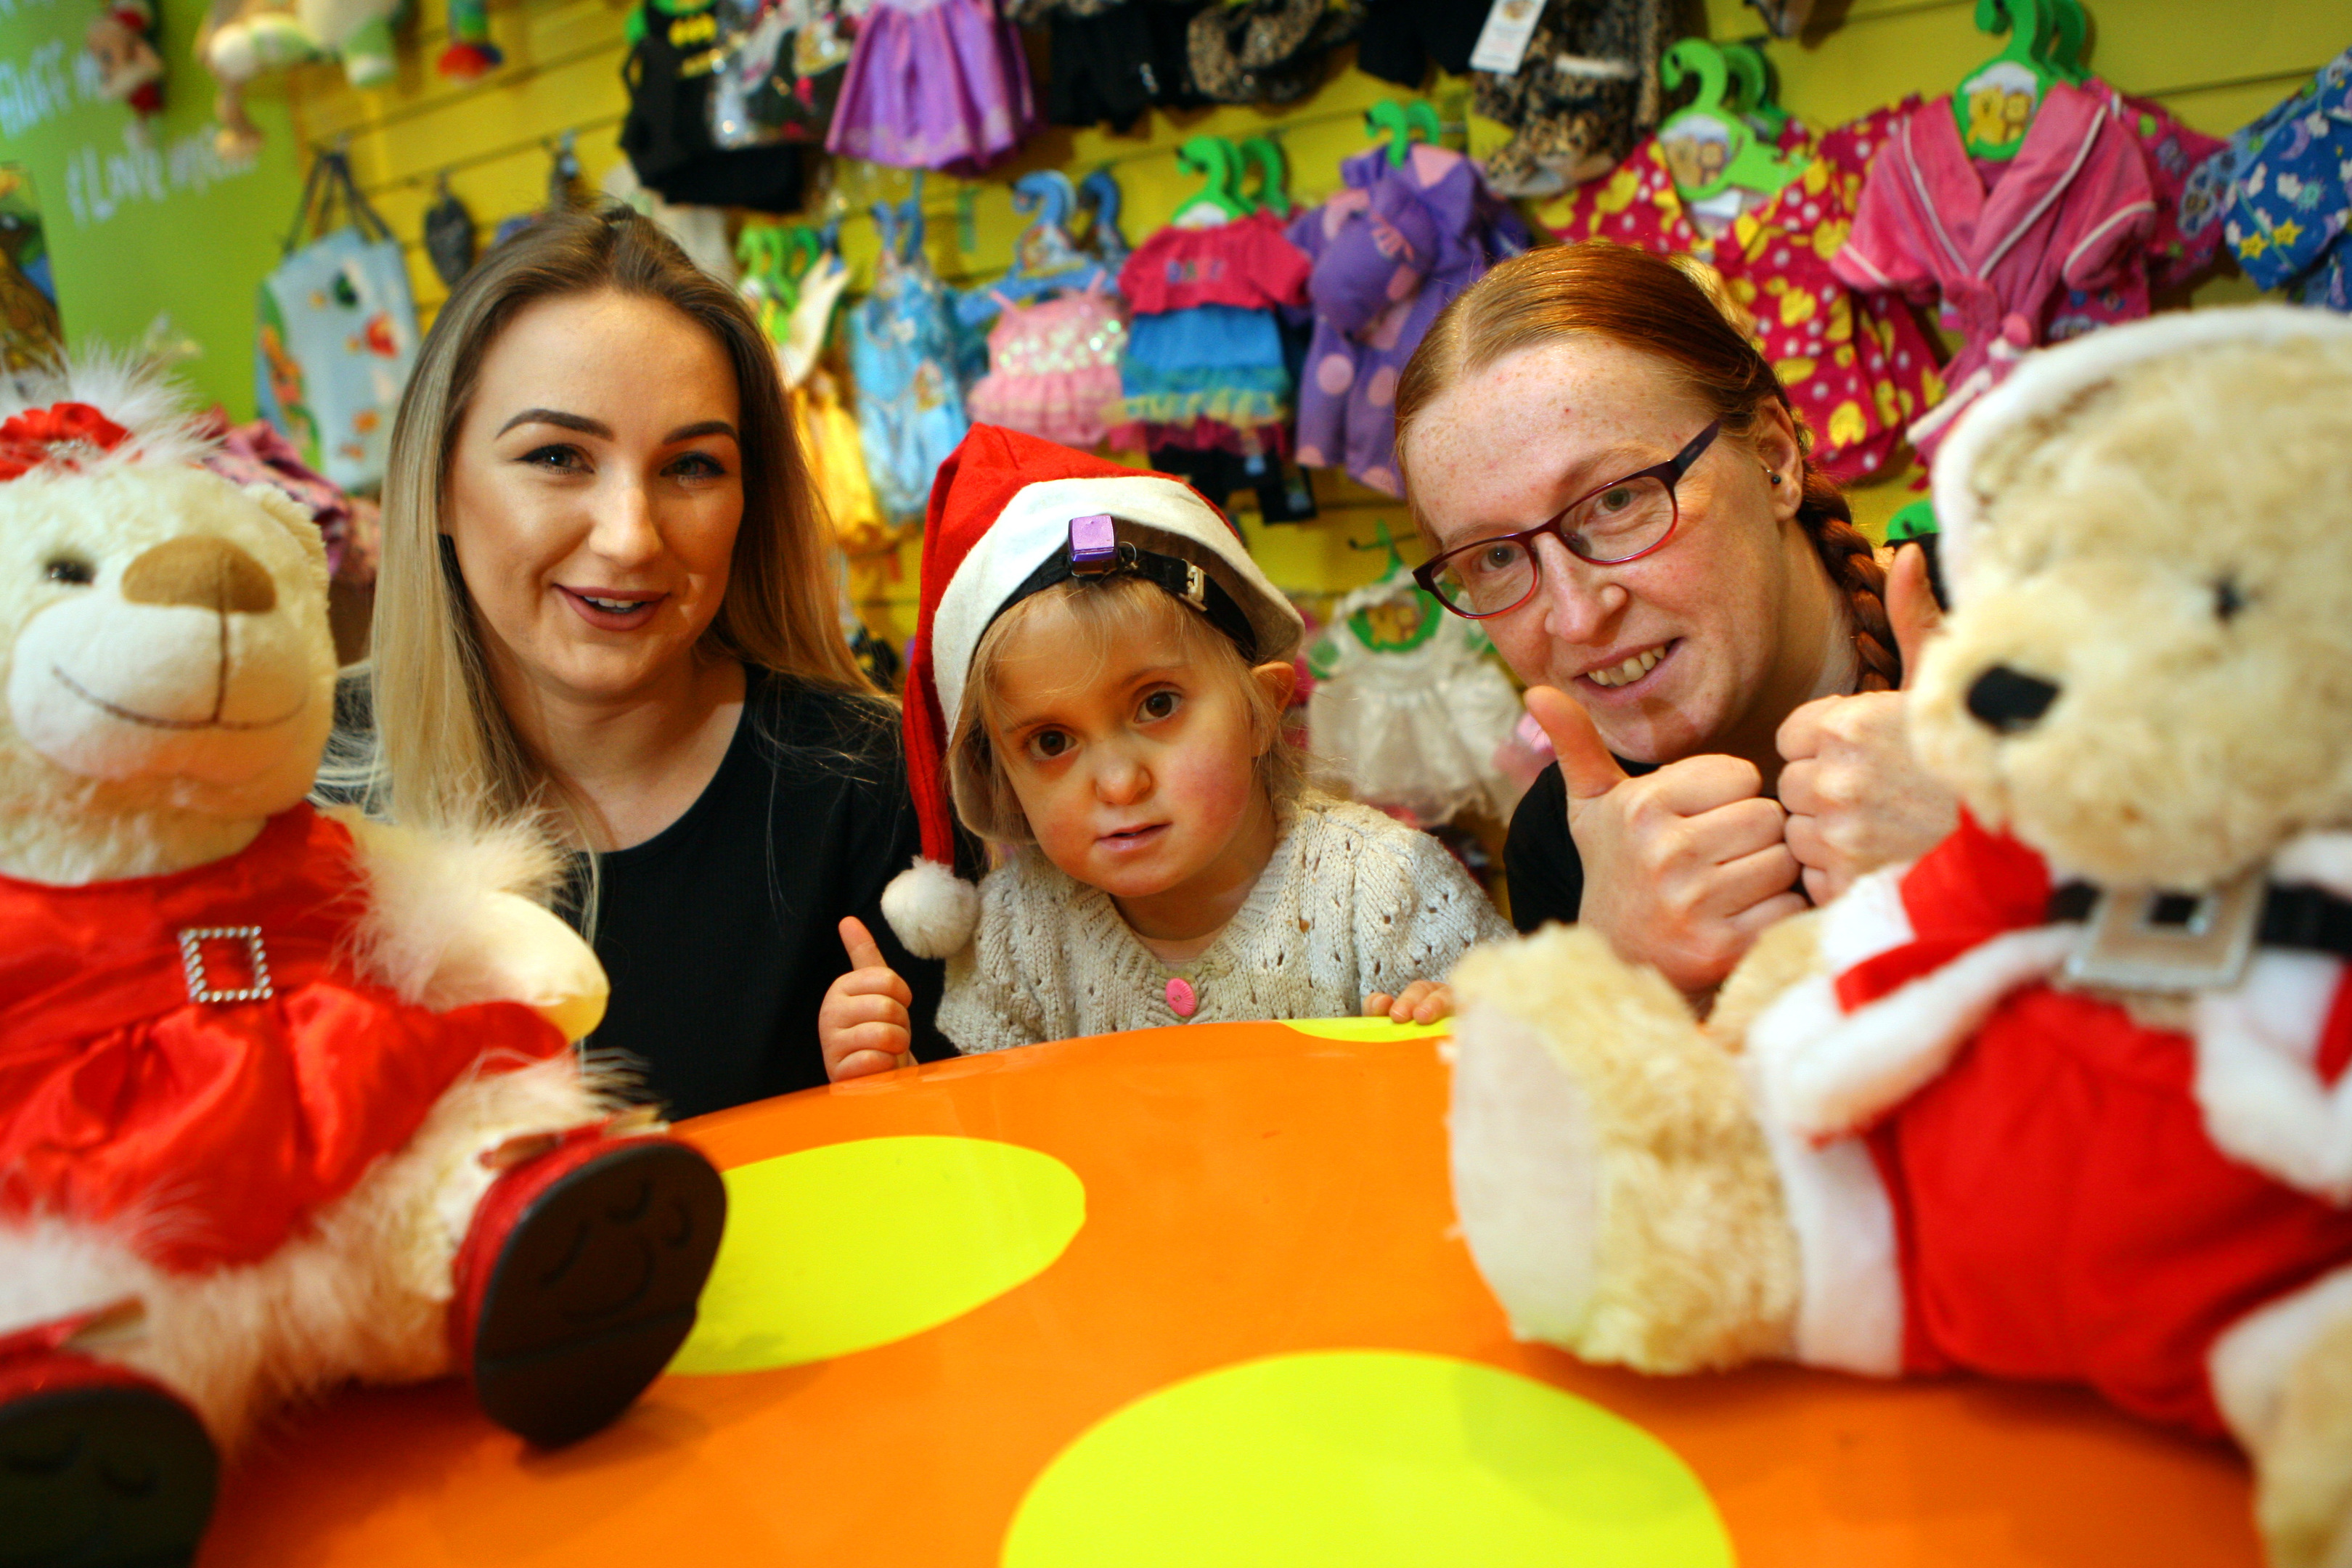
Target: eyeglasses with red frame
{"x":1622,"y":521}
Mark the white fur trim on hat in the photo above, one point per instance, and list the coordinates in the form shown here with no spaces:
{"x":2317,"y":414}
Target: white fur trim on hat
{"x":932,"y":909}
{"x":1037,"y":523}
{"x":2050,"y":377}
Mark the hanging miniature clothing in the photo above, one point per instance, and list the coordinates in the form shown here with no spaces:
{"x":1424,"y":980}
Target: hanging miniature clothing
{"x":2280,"y":191}
{"x":1856,"y":365}
{"x":1249,"y":263}
{"x":910,"y":412}
{"x":1401,"y":38}
{"x":810,"y":322}
{"x":782,"y":74}
{"x":868,"y":541}
{"x":1409,"y":705}
{"x":1054,"y":368}
{"x":1389,"y":251}
{"x":1586,"y":91}
{"x":934,"y":84}
{"x":448,"y":236}
{"x":829,"y":436}
{"x":1267,"y":51}
{"x":2073,"y":210}
{"x":1282,"y":492}
{"x":1206,"y":345}
{"x":1111,"y":65}
{"x":666,"y":131}
{"x":1212,"y":362}
{"x":2171,"y":256}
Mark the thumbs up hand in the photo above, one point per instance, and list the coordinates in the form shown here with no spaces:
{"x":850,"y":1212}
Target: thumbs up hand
{"x":1855,"y":797}
{"x":863,"y":1026}
{"x":1683,"y":867}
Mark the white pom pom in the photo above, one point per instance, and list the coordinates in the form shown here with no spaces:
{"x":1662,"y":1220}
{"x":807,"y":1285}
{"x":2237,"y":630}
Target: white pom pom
{"x":931,"y":909}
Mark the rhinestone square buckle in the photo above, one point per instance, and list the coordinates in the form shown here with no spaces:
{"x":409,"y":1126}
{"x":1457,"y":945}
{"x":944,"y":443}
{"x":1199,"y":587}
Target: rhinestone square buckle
{"x":191,"y":958}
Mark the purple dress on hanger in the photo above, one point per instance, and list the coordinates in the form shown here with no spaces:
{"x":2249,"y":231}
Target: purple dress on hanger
{"x":934,"y":84}
{"x":1389,"y":251}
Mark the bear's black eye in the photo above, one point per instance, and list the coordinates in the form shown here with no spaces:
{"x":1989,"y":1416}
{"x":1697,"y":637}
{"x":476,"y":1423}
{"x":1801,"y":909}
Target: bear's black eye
{"x":71,"y":570}
{"x":2228,"y":600}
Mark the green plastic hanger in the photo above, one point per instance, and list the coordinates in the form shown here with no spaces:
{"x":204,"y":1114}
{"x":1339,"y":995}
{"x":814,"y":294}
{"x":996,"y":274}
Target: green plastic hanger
{"x":1994,"y":103}
{"x":2069,"y":26}
{"x":1750,"y":92}
{"x":1214,"y":157}
{"x":1265,"y":154}
{"x":1399,"y":122}
{"x":1746,"y":163}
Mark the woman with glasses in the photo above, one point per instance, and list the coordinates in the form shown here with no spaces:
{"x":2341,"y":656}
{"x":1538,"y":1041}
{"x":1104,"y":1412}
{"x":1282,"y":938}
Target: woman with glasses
{"x":1611,"y":483}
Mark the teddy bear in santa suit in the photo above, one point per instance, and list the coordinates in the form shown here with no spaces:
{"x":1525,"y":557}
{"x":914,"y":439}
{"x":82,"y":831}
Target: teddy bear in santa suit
{"x":288,"y":1097}
{"x":2067,"y":1099}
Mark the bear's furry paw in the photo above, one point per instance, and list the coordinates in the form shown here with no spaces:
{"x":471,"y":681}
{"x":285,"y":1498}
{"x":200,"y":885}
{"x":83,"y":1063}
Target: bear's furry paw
{"x":1609,"y":1175}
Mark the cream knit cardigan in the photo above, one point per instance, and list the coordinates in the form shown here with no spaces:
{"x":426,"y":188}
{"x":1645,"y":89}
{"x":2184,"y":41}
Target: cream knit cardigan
{"x":1352,"y":902}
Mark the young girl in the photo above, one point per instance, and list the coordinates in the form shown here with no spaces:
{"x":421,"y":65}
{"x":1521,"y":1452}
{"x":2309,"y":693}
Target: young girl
{"x":1117,"y":667}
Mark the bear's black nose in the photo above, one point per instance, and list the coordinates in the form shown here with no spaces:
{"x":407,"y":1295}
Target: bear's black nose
{"x":2007,"y":702}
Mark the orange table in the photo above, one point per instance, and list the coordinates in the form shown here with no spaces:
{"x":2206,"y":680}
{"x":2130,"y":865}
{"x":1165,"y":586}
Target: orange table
{"x":1222,"y":1207}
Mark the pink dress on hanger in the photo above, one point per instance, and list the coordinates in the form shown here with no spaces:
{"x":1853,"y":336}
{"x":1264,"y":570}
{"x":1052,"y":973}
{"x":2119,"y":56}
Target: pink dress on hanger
{"x":934,"y":84}
{"x":2074,"y":210}
{"x":1054,"y":368}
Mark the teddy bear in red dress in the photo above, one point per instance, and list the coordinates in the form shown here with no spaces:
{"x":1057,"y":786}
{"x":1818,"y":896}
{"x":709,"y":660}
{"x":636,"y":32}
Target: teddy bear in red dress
{"x":2066,"y":1099}
{"x":288,"y":1097}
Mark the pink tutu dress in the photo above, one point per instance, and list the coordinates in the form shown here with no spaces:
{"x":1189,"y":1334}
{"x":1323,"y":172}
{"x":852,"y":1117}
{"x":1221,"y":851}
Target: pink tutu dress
{"x":934,"y":84}
{"x":1054,"y":369}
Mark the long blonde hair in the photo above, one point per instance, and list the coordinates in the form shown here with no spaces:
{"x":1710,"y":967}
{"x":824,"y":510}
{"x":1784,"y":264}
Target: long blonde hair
{"x":446,"y":751}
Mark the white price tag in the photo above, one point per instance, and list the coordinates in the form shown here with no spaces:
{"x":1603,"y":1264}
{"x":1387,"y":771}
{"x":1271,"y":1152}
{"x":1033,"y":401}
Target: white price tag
{"x":1502,"y":41}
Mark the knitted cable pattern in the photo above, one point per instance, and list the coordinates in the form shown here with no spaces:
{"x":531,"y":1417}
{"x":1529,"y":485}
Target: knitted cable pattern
{"x":1351,"y":903}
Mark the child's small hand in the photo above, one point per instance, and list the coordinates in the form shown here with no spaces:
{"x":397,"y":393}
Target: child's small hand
{"x":863,"y":1026}
{"x":1422,"y":1002}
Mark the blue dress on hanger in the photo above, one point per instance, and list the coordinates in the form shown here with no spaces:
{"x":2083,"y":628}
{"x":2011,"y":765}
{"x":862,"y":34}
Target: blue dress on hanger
{"x":902,"y":352}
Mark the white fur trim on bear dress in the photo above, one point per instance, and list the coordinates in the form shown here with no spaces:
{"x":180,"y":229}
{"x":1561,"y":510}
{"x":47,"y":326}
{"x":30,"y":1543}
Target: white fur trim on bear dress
{"x":1850,"y":1307}
{"x":2257,"y":1078}
{"x":1821,"y":1083}
{"x":933,"y":911}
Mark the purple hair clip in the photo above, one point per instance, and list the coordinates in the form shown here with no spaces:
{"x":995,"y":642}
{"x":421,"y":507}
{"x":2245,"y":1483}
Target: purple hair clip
{"x":1094,"y":545}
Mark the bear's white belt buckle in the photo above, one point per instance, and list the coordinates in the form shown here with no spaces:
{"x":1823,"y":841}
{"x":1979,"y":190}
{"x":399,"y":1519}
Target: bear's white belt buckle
{"x":256,"y":961}
{"x":2141,"y":938}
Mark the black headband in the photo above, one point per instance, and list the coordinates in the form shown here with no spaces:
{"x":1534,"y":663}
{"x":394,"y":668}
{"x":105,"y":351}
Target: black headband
{"x":1094,"y":556}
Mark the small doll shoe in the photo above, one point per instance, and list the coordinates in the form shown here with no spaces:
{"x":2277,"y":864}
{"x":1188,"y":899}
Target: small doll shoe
{"x":578,"y":1279}
{"x":100,"y":1468}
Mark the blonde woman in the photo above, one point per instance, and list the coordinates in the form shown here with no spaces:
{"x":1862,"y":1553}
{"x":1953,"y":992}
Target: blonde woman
{"x":606,"y":598}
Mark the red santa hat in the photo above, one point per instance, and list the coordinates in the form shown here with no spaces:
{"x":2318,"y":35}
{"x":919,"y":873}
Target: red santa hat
{"x":1012,"y":515}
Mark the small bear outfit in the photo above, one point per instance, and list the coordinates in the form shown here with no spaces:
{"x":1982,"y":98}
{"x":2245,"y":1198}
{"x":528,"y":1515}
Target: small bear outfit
{"x":1352,"y":902}
{"x":201,"y":1045}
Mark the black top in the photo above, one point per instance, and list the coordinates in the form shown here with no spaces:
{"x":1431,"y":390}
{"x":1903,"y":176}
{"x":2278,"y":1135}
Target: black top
{"x":718,"y":931}
{"x":1540,"y":865}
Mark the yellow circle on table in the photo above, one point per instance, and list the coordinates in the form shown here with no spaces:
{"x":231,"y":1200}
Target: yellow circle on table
{"x":1365,"y":1459}
{"x":1368,"y":1031}
{"x":850,"y":1246}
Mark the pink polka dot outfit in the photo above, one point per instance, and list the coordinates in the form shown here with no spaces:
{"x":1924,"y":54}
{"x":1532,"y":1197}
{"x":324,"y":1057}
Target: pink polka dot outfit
{"x":1390,"y":250}
{"x":1857,"y":366}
